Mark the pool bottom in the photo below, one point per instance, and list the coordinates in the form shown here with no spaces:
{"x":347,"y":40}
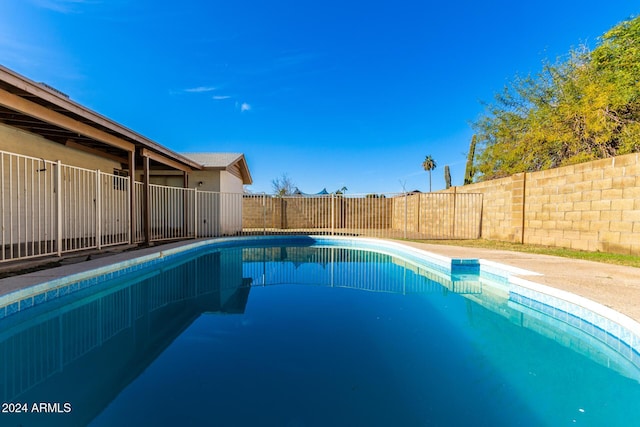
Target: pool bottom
{"x":315,"y":355}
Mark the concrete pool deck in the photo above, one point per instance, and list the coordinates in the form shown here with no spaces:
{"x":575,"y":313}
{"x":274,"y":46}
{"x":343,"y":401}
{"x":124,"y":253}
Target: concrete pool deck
{"x":614,"y":286}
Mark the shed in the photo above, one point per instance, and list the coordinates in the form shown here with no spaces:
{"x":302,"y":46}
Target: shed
{"x":222,"y":172}
{"x":220,"y":189}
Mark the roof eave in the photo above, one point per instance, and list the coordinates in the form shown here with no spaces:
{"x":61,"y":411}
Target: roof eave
{"x":52,"y":96}
{"x":244,"y":170}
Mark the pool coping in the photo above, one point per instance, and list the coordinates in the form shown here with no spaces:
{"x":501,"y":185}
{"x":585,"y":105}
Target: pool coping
{"x":610,"y":326}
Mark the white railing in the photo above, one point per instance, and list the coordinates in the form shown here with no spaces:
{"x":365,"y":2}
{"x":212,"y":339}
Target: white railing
{"x":28,"y":203}
{"x":79,"y":197}
{"x":410,"y":215}
{"x":115,"y":208}
{"x":49,"y":208}
{"x":138,"y":219}
{"x":217,"y":214}
{"x":169,"y":212}
{"x":94,"y":209}
{"x":182,"y":213}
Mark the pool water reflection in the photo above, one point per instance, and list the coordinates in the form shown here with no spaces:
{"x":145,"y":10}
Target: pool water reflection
{"x":306,"y":336}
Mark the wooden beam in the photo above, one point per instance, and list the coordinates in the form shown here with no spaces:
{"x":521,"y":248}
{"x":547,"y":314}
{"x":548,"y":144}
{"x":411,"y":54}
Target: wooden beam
{"x":45,"y":114}
{"x":72,"y":144}
{"x":165,"y":160}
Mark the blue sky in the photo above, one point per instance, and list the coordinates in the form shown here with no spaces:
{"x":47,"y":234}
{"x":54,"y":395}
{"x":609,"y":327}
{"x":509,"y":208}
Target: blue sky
{"x":332,"y":93}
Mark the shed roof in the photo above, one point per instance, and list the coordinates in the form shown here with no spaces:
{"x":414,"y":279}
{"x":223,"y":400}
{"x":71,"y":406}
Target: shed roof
{"x":222,"y":161}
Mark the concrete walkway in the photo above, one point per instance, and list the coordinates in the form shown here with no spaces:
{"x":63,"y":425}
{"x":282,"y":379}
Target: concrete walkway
{"x":616,"y":287}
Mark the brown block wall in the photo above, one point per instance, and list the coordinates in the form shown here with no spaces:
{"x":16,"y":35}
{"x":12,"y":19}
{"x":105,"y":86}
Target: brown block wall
{"x":592,"y":206}
{"x":442,"y":215}
{"x":497,"y":209}
{"x":364,"y":213}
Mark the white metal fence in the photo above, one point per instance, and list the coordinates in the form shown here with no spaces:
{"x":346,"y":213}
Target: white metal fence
{"x":410,"y":215}
{"x":183,"y":213}
{"x":94,"y":209}
{"x":49,"y":208}
{"x":28,"y":203}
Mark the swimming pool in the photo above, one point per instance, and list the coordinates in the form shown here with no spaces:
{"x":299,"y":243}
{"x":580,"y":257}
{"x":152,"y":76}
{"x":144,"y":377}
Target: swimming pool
{"x":303,"y":331}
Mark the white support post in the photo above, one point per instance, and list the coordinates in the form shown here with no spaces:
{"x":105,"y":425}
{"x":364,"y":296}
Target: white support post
{"x":195,"y":213}
{"x":130,"y":217}
{"x":98,"y":207}
{"x":2,"y":197}
{"x":59,"y":207}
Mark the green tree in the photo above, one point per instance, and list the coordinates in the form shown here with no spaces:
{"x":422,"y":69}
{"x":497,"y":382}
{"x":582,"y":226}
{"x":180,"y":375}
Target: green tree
{"x":447,"y":177}
{"x":428,"y":165}
{"x":583,"y":107}
{"x":616,"y":62}
{"x":343,"y":190}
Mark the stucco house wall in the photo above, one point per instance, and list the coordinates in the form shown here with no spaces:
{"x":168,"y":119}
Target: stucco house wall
{"x":17,"y":141}
{"x":230,"y":183}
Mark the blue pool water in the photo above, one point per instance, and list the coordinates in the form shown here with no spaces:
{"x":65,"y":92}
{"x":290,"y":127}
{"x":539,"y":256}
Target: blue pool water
{"x":305,"y":336}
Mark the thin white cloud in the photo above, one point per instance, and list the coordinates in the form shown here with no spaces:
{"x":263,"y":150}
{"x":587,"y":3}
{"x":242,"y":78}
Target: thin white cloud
{"x":245,"y":107}
{"x":200,"y":89}
{"x":220,"y":97}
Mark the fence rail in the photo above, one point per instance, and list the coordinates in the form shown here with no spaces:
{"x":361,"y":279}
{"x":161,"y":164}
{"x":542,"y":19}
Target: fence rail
{"x":49,"y":208}
{"x":29,"y":213}
{"x":411,"y":215}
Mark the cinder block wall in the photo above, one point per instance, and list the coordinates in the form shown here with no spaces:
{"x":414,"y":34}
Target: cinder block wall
{"x":254,"y":214}
{"x":304,"y":213}
{"x":499,"y":204}
{"x":592,"y":206}
{"x":365,"y":213}
{"x":441,"y":215}
{"x":301,"y":212}
{"x":412,"y":203}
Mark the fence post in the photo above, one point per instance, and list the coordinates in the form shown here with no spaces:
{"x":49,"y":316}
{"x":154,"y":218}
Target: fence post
{"x":264,"y":214}
{"x":333,"y":214}
{"x":98,"y":207}
{"x":59,"y":207}
{"x":132,"y":206}
{"x":130,"y":228}
{"x":405,"y":214}
{"x":146,"y":201}
{"x":2,"y":197}
{"x":455,"y":200}
{"x":195,"y":213}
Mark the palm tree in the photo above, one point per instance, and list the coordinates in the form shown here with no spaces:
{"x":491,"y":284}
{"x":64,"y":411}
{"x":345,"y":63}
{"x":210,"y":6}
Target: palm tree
{"x":341,"y":191}
{"x":429,"y":164}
